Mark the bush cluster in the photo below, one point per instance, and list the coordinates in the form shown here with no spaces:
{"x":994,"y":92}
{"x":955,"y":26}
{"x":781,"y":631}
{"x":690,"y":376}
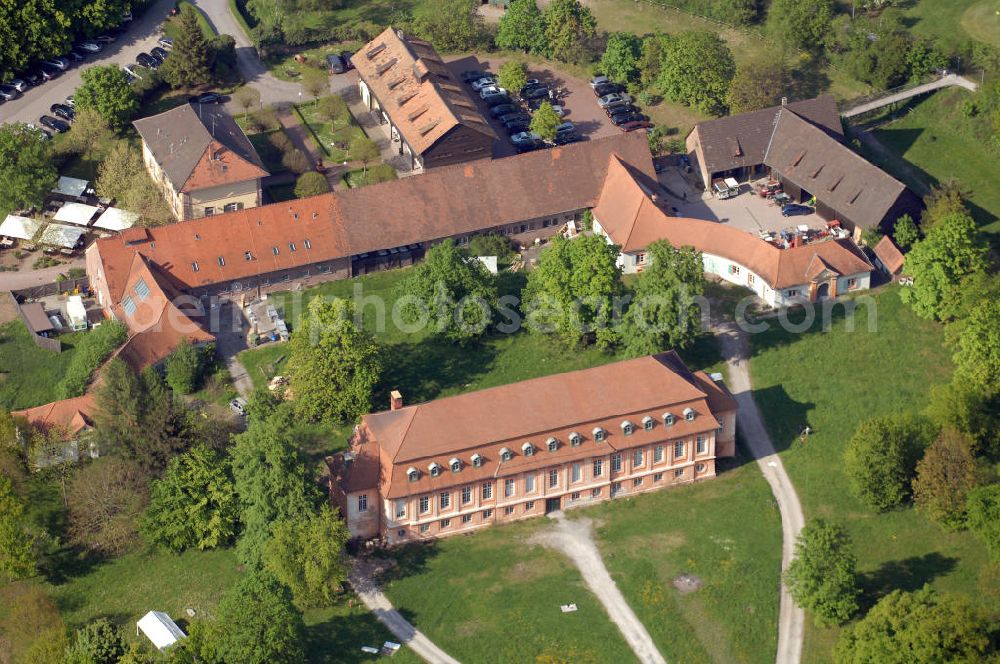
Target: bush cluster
{"x":94,"y":348}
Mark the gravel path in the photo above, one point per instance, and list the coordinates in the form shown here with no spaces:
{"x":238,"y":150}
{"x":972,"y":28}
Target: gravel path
{"x":735,"y":349}
{"x":573,"y":538}
{"x":400,"y":627}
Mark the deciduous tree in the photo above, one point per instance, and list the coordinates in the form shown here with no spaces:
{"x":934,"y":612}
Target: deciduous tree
{"x":568,"y":27}
{"x":513,"y":76}
{"x":257,"y":623}
{"x":758,"y":85}
{"x":194,"y":504}
{"x":270,"y":480}
{"x":983,"y":508}
{"x":654,"y":52}
{"x":365,"y":150}
{"x":905,"y":232}
{"x":822,"y":576}
{"x":522,"y":28}
{"x":311,"y":183}
{"x":185,"y":366}
{"x":696,"y":71}
{"x":881,"y":459}
{"x":952,"y":250}
{"x":98,"y":642}
{"x":801,"y":24}
{"x":921,"y":626}
{"x":106,"y":499}
{"x":315,"y":81}
{"x":456,"y":293}
{"x":620,"y":61}
{"x":545,"y":121}
{"x":573,"y":291}
{"x":106,"y":90}
{"x":189,"y":63}
{"x":451,"y":25}
{"x":32,"y":620}
{"x":333,"y":362}
{"x":307,"y":555}
{"x":247,"y":97}
{"x":90,"y":133}
{"x":977,"y":353}
{"x":959,"y":406}
{"x":945,"y":475}
{"x":26,"y":169}
{"x":334,"y":109}
{"x":664,"y":312}
{"x":17,"y":559}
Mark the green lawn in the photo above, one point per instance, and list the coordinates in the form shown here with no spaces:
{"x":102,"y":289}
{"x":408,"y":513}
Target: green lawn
{"x":945,"y":21}
{"x":30,"y":376}
{"x":170,"y":27}
{"x":334,"y":143}
{"x":982,"y":21}
{"x":494,"y":597}
{"x":726,"y":531}
{"x":335,"y":636}
{"x":830,"y":382}
{"x":939,"y":142}
{"x":287,"y":68}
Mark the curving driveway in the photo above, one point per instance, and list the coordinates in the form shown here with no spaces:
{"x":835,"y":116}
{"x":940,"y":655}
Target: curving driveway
{"x":735,"y":350}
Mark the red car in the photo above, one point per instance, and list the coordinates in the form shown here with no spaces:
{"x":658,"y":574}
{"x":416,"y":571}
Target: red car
{"x":636,"y":124}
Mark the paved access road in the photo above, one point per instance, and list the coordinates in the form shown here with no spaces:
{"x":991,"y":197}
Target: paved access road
{"x":140,"y":36}
{"x":791,"y":618}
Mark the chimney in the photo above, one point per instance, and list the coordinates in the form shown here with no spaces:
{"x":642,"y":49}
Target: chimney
{"x":784,"y":101}
{"x":395,"y":400}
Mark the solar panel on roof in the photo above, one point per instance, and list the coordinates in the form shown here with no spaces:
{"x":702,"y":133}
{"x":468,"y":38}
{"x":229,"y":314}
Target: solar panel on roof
{"x":378,"y":48}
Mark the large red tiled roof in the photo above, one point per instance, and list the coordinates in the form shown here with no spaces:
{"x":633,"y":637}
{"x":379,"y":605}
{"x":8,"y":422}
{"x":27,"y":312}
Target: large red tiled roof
{"x":71,"y":415}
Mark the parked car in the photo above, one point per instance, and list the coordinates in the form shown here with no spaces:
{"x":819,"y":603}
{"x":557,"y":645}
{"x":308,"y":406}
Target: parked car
{"x":207,"y":98}
{"x":106,"y":39}
{"x":619,"y":107}
{"x":165,"y":42}
{"x":70,"y":101}
{"x":63,"y":111}
{"x":336,"y":64}
{"x":567,"y":137}
{"x":537,"y":92}
{"x":484,"y":82}
{"x":89,"y":46}
{"x":504,"y":109}
{"x":127,"y":17}
{"x":525,"y":137}
{"x":44,"y":135}
{"x":599,"y":80}
{"x":529,"y":147}
{"x":795,"y":210}
{"x":517,"y":127}
{"x":19,"y":84}
{"x":48,"y":71}
{"x":515,"y":116}
{"x":76,"y":56}
{"x":612,"y":98}
{"x":497,"y":100}
{"x":605,"y":89}
{"x":62,"y":64}
{"x":238,"y":406}
{"x":53,"y":124}
{"x":33,"y":77}
{"x":636,"y":124}
{"x":158,"y":52}
{"x":133,"y":72}
{"x":628,"y":116}
{"x":146,"y":60}
{"x":8,"y":92}
{"x":346,"y":57}
{"x":473,"y":75}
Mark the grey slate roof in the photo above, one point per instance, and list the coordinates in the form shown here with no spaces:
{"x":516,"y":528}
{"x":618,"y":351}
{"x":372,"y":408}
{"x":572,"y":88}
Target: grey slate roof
{"x":738,"y":141}
{"x":854,"y":188}
{"x":179,"y":137}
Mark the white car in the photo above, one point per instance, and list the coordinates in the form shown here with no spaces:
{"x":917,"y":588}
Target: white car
{"x":486,"y":81}
{"x":599,"y":80}
{"x":132,"y":71}
{"x":492,"y":91}
{"x":613,"y":98}
{"x":525,"y":137}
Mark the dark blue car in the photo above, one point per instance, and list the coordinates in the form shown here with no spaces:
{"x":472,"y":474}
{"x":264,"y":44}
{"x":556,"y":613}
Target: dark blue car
{"x":795,"y":210}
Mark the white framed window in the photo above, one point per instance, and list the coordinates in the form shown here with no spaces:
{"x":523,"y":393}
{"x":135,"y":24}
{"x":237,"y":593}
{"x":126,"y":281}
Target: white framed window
{"x":363,"y":503}
{"x":434,"y":469}
{"x":195,"y":267}
{"x":658,"y":477}
{"x":466,"y":518}
{"x":598,"y":467}
{"x":466,"y":495}
{"x":487,"y":514}
{"x":658,"y":454}
{"x":636,"y":458}
{"x":616,"y":462}
{"x":627,"y":428}
{"x":647,"y":423}
{"x":505,"y":454}
{"x":577,"y":472}
{"x":553,"y":478}
{"x":669,"y":419}
{"x":528,"y":506}
{"x":528,"y":449}
{"x":637,"y":481}
{"x":722,"y":424}
{"x":529,"y":483}
{"x":412,"y":474}
{"x":444,"y":500}
{"x":477,"y":460}
{"x":424,"y":527}
{"x":508,"y":510}
{"x":445,"y":523}
{"x":142,"y":289}
{"x":575,"y":439}
{"x":487,"y":490}
{"x":679,"y":449}
{"x":702,"y":445}
{"x":400,"y":508}
{"x":128,"y":304}
{"x":552,"y":444}
{"x":575,"y":496}
{"x":509,"y":487}
{"x":679,"y":472}
{"x":595,"y":493}
{"x":425,"y":504}
{"x":456,"y":465}
{"x":689,"y":414}
{"x":599,"y":434}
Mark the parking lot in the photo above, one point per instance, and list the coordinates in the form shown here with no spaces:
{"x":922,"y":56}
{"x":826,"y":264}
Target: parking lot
{"x":577,"y":100}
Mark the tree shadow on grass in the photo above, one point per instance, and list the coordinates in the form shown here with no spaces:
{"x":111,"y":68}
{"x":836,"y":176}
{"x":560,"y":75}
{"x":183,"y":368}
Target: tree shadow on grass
{"x":785,"y":327}
{"x":908,"y":574}
{"x":409,"y":559}
{"x":793,"y":416}
{"x":340,"y":637}
{"x":423,"y":370}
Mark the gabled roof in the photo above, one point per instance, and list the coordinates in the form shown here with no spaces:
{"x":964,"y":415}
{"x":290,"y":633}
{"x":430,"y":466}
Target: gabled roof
{"x":736,"y":141}
{"x":633,"y":220}
{"x":889,"y":254}
{"x":71,"y":415}
{"x":416,"y":89}
{"x":446,"y":201}
{"x":857,"y":190}
{"x":200,"y":148}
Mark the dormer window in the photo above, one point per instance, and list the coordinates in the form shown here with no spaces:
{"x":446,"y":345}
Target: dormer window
{"x":647,"y":423}
{"x":434,"y":469}
{"x":689,"y":414}
{"x":575,"y":439}
{"x":599,"y":434}
{"x":627,"y":428}
{"x":722,"y":424}
{"x":412,"y":474}
{"x":455,"y":464}
{"x":528,"y":449}
{"x":552,"y":444}
{"x":669,"y":419}
{"x":505,"y":454}
{"x":477,"y":460}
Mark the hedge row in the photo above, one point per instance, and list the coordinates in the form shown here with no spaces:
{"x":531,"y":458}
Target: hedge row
{"x":95,"y":347}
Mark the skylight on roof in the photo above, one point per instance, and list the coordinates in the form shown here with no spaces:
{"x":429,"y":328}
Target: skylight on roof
{"x":385,"y":66}
{"x":427,"y":128}
{"x":142,"y":289}
{"x":372,"y":52}
{"x":128,"y":304}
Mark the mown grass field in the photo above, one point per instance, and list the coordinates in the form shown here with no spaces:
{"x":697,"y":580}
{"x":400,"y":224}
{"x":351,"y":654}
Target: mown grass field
{"x":334,"y":143}
{"x":831,"y":381}
{"x":30,"y":376}
{"x":726,"y":531}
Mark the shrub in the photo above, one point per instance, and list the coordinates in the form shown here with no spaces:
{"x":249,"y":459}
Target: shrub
{"x":983,"y":507}
{"x":185,"y":366}
{"x":280,"y":140}
{"x":881,"y":459}
{"x":491,"y":245}
{"x":311,"y":184}
{"x":93,"y":349}
{"x":296,"y":161}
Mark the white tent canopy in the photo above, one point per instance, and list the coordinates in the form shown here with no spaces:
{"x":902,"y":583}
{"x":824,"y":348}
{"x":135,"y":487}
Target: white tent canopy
{"x":160,"y":629}
{"x":76,"y":213}
{"x":74,"y":187}
{"x":22,"y":228}
{"x":116,"y":219}
{"x":62,"y":236}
